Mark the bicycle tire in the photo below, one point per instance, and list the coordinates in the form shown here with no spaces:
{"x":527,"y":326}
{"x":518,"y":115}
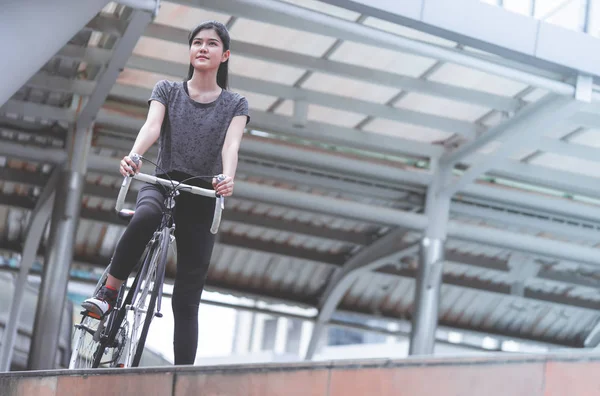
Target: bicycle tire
{"x":163,"y":244}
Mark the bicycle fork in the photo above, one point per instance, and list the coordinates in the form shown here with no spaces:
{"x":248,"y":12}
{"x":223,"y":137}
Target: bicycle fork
{"x":161,"y":275}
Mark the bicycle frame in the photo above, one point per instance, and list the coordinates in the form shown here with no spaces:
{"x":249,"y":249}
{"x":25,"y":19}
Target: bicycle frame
{"x":110,"y":327}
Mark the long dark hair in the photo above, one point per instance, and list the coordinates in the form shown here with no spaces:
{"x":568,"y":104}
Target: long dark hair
{"x":223,"y":72}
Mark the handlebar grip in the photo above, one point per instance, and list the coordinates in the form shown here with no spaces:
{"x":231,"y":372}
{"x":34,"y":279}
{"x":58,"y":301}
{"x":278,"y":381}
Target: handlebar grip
{"x":219,"y":206}
{"x":125,"y":184}
{"x":123,"y":193}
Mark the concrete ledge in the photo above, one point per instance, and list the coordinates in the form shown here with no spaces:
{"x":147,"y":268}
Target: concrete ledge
{"x":515,"y":375}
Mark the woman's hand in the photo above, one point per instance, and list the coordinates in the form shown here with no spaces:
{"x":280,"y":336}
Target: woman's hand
{"x":128,"y":167}
{"x":225,"y":187}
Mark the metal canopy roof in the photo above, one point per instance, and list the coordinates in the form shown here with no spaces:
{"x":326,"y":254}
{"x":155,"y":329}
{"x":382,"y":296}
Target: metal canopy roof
{"x":339,"y":111}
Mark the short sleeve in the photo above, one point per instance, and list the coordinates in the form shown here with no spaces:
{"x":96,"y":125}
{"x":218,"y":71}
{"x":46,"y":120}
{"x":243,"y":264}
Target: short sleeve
{"x":242,"y":109}
{"x":160,"y":92}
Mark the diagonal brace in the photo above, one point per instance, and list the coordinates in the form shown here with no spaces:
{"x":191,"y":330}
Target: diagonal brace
{"x":388,"y":248}
{"x":39,"y":218}
{"x":524,"y":128}
{"x":135,"y":29}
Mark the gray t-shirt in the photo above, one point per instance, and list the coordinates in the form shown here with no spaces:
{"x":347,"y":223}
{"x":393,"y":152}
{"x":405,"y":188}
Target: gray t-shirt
{"x":192,"y":133}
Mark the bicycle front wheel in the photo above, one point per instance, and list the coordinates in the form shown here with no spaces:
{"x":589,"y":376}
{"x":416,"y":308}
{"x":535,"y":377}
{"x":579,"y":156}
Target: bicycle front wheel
{"x":143,"y":305}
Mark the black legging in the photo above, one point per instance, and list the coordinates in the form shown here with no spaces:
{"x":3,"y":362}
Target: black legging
{"x":193,"y":218}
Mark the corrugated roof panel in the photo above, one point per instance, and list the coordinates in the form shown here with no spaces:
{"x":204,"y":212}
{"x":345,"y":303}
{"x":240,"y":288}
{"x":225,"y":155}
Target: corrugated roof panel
{"x":306,"y":270}
{"x":484,"y":303}
{"x":111,"y":237}
{"x":449,"y":297}
{"x":467,"y":307}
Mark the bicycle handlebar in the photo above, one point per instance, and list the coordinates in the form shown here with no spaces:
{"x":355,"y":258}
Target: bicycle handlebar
{"x":219,"y":205}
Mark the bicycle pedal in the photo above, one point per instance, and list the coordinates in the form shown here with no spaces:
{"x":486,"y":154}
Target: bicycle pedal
{"x":90,"y":314}
{"x":158,"y":315}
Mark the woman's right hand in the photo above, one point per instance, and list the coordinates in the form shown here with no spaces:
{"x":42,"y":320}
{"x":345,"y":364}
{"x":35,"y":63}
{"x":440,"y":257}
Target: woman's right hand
{"x":128,"y":167}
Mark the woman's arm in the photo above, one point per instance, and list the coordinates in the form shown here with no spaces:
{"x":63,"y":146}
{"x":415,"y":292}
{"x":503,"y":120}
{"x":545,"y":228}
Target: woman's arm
{"x":149,"y":133}
{"x":231,"y":146}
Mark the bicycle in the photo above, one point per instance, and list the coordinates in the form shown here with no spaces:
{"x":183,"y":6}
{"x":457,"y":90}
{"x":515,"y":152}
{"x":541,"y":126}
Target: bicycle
{"x":115,"y":340}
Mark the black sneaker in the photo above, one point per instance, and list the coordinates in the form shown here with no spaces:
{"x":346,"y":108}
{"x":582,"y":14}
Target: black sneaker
{"x":102,"y":303}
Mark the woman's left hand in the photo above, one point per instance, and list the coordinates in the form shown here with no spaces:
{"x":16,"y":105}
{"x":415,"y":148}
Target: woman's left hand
{"x":225,"y":187}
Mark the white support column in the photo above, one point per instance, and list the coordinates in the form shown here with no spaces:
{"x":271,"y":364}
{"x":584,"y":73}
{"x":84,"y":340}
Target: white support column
{"x":257,"y":333}
{"x":59,"y":255}
{"x":281,"y":335}
{"x":429,"y":277}
{"x":35,"y":30}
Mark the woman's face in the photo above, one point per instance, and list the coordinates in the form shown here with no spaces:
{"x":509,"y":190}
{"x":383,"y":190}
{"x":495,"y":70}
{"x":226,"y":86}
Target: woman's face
{"x":206,"y":52}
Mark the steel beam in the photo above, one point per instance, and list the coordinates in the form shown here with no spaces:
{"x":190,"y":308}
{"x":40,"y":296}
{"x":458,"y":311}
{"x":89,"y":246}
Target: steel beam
{"x":31,"y":153}
{"x":312,"y":131}
{"x":566,"y":148}
{"x":498,"y":217}
{"x":37,"y":225}
{"x":541,"y":44}
{"x":387,"y":216}
{"x":464,"y":128}
{"x":313,"y":64}
{"x":65,"y":219}
{"x":37,"y":110}
{"x":551,"y":205}
{"x":150,"y":6}
{"x":320,"y":132}
{"x":492,"y":193}
{"x":524,"y":128}
{"x":300,"y":171}
{"x":93,"y":56}
{"x":21,"y":22}
{"x":563,"y":181}
{"x":135,"y":28}
{"x":522,"y":268}
{"x":520,"y":123}
{"x":283,"y":154}
{"x":232,"y":215}
{"x":99,"y":56}
{"x":271,"y":11}
{"x":386,"y":249}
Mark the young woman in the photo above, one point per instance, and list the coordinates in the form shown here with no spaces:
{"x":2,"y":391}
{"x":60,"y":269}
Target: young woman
{"x":199,"y":126}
